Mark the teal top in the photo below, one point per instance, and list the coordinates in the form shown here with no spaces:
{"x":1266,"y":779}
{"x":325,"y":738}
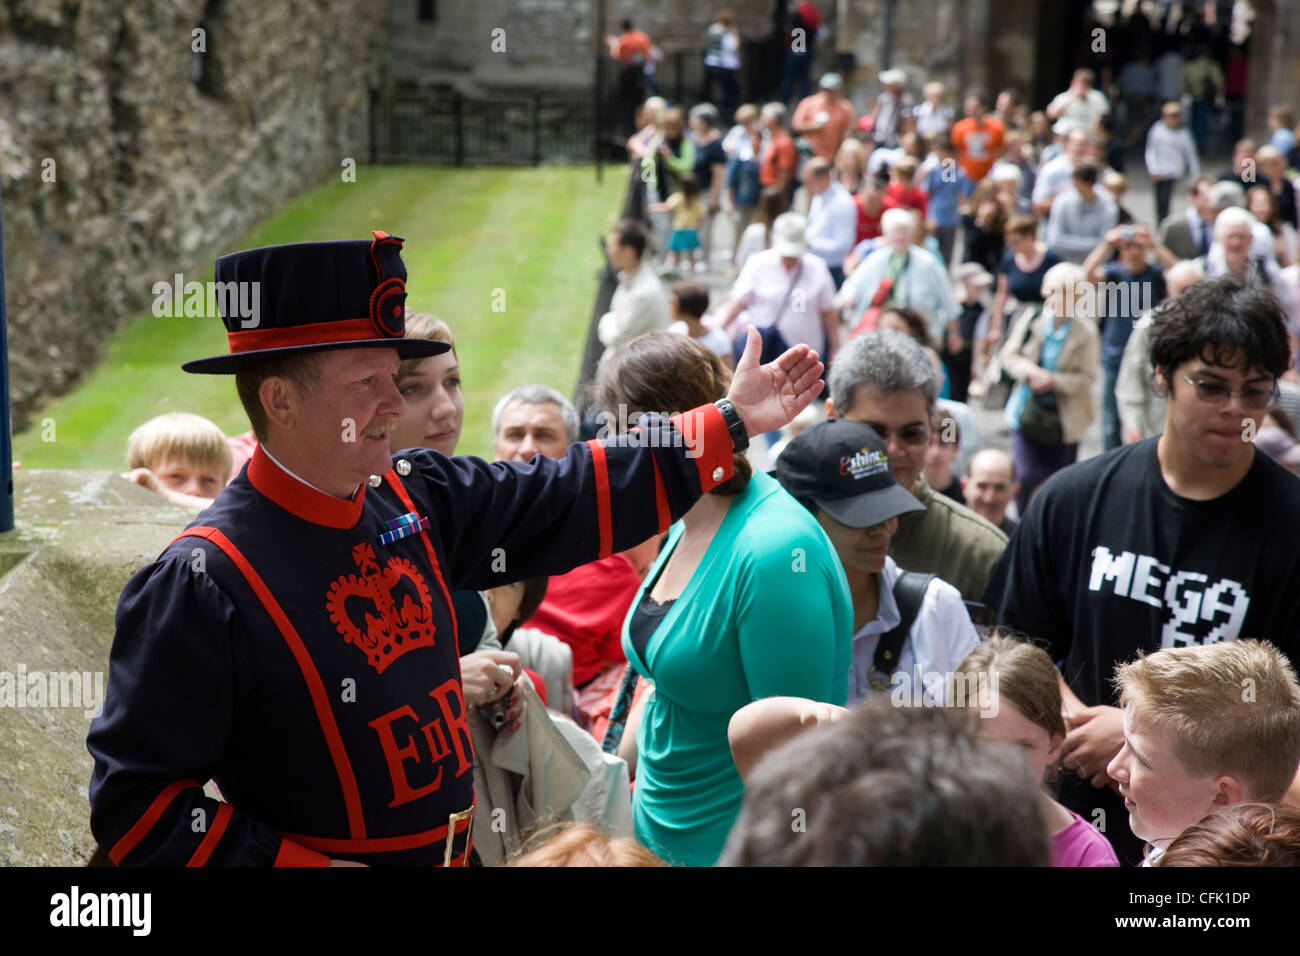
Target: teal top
{"x":767,"y":613}
{"x":1053,"y":343}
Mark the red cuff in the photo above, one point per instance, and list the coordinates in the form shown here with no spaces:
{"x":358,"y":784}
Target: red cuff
{"x":709,"y":443}
{"x":295,"y":854}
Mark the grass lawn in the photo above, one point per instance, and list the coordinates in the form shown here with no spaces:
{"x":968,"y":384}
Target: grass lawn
{"x":529,"y":232}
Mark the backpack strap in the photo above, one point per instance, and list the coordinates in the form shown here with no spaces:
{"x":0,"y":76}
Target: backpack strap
{"x":909,"y":593}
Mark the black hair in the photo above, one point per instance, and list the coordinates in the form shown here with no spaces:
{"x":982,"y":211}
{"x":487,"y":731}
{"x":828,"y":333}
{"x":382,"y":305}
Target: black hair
{"x":629,"y":232}
{"x":1223,"y":322}
{"x":534,"y":594}
{"x":692,"y":298}
{"x":1086,"y":173}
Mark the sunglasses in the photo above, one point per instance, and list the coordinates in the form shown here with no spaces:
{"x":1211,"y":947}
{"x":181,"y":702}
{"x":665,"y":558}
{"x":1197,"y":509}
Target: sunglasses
{"x":918,"y":434}
{"x":1216,"y":393}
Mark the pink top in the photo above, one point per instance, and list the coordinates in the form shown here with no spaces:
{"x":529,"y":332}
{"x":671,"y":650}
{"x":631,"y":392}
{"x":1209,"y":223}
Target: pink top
{"x":1081,"y":844}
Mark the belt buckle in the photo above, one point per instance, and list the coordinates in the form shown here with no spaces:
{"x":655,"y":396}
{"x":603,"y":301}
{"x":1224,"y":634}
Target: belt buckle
{"x":453,"y":820}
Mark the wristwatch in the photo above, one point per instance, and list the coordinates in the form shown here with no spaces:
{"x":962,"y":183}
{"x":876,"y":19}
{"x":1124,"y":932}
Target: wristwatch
{"x":739,"y":436}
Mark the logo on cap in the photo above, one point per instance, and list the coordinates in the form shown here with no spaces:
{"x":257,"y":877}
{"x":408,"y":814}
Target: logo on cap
{"x":864,"y":464}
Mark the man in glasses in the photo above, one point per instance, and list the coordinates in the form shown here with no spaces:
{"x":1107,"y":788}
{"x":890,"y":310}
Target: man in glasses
{"x":885,"y":380}
{"x":1183,"y":539}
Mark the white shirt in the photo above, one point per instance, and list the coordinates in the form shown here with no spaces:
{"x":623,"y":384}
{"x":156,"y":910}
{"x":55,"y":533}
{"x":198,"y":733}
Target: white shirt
{"x":832,"y":225}
{"x":639,"y":305}
{"x":726,"y":54}
{"x":938,"y":641}
{"x":932,"y":120}
{"x":762,"y":286}
{"x":1054,"y":178}
{"x":1086,"y":111}
{"x":1171,"y":153}
{"x":277,"y":464}
{"x":715,"y":340}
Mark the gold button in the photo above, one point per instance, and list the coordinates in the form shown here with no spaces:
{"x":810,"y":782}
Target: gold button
{"x":717,"y":473}
{"x":403,"y":467}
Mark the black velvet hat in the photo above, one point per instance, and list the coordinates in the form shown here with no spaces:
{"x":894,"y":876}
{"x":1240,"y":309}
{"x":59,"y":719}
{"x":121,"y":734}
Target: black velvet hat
{"x":313,"y":296}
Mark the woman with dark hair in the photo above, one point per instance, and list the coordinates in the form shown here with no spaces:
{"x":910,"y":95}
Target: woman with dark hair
{"x":746,"y":600}
{"x":983,"y":224}
{"x":1245,"y":834}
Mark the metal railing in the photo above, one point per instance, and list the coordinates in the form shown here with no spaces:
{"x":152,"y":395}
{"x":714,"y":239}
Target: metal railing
{"x":501,"y":128}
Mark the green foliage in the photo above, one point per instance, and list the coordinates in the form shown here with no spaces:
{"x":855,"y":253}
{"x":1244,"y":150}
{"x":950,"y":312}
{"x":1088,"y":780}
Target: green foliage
{"x":529,"y":232}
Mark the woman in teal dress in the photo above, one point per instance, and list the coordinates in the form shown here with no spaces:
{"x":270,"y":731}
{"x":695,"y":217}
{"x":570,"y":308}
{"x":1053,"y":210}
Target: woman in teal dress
{"x":746,"y":600}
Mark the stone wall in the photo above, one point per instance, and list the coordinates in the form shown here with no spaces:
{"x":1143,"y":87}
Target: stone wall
{"x":549,"y":43}
{"x":160,"y":157}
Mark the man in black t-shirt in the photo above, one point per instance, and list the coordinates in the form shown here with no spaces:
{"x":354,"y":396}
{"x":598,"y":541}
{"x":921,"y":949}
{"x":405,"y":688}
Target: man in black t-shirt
{"x":1188,"y":538}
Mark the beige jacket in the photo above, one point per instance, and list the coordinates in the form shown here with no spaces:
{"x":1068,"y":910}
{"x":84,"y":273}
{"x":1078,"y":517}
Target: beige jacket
{"x":1076,"y":369}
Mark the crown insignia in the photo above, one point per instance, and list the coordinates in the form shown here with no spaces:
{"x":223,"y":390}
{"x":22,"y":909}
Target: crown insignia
{"x":393,"y":603}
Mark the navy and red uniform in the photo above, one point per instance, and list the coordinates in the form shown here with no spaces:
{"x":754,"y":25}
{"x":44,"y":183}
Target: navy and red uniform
{"x":278,"y":648}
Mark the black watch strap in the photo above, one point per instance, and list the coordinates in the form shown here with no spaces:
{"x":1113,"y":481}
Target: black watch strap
{"x":739,"y":436}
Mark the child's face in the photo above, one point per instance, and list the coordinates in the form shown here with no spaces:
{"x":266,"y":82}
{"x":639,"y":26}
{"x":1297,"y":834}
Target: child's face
{"x":1037,"y":746}
{"x":181,"y":474}
{"x":435,"y":407}
{"x":1162,"y":796}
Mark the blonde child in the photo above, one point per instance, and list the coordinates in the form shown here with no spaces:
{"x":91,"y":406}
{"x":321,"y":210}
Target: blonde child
{"x":688,"y":211}
{"x":180,"y":456}
{"x":1026,"y":714}
{"x":1205,"y":727}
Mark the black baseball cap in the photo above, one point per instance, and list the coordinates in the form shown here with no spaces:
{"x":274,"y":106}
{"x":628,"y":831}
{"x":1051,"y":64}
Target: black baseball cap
{"x":843,"y":468}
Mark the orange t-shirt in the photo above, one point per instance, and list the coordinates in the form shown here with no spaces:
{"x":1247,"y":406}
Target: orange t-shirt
{"x":781,"y":154}
{"x":977,"y":149}
{"x":633,"y":47}
{"x":835,"y":119}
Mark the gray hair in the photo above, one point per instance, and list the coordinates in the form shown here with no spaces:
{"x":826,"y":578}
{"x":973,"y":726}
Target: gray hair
{"x":897,"y":218}
{"x":706,"y":113}
{"x":1226,"y":194}
{"x":1231,"y":217}
{"x":774,"y":111}
{"x":886,"y":360}
{"x":538,"y":395}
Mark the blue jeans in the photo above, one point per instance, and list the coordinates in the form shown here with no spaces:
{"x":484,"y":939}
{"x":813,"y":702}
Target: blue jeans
{"x":1110,"y":431}
{"x":796,"y":69}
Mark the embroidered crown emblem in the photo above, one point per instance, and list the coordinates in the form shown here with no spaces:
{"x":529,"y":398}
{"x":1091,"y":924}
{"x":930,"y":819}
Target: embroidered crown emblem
{"x":393,"y":603}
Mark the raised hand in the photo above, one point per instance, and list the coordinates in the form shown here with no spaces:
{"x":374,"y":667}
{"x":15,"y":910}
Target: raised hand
{"x":769,"y":396}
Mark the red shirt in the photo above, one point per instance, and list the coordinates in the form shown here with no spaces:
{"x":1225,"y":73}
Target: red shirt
{"x":868,"y":226}
{"x":781,"y":154}
{"x":906,"y":197}
{"x":632,"y":48}
{"x":977,"y":148}
{"x":585,"y":609}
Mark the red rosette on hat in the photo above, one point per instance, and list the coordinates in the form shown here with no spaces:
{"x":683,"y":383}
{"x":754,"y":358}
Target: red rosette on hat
{"x":388,"y":307}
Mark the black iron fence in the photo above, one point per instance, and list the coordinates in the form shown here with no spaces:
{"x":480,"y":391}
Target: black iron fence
{"x":500,"y":128}
{"x":526,"y":127}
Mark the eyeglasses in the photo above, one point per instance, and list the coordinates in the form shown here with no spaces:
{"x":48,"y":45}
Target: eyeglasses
{"x":1216,"y":393}
{"x":918,"y":434}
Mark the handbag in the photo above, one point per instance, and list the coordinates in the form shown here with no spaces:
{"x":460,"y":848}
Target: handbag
{"x":1040,"y":420}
